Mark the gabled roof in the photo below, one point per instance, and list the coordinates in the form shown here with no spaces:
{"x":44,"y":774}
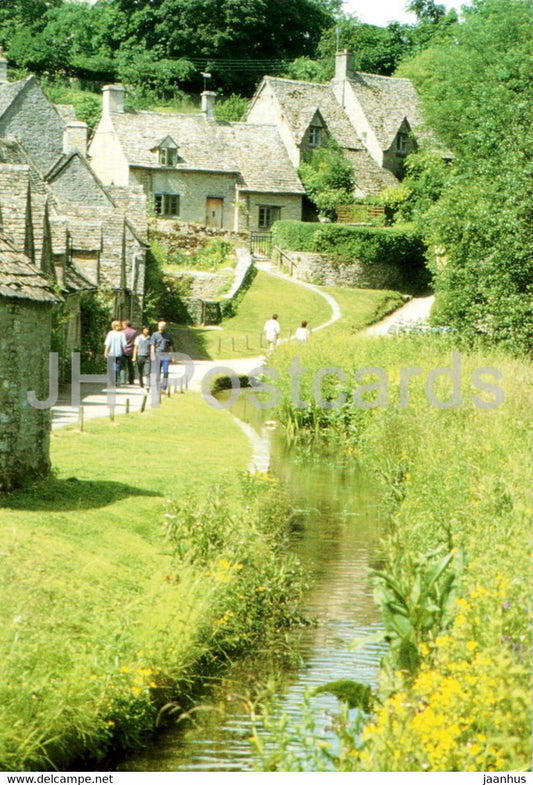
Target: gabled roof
{"x":255,"y":154}
{"x":9,"y":91}
{"x":64,"y":161}
{"x":20,"y":278}
{"x":386,"y":101}
{"x":368,"y":176}
{"x":299,"y":102}
{"x":263,"y":160}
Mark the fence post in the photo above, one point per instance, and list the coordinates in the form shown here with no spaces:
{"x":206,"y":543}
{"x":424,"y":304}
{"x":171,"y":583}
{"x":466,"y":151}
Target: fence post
{"x":80,"y":419}
{"x":127,"y":405}
{"x":112,"y":413}
{"x":143,"y":403}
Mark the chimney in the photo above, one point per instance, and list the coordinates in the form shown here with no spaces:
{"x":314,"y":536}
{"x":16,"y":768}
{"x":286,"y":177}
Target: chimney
{"x":343,"y":65}
{"x":3,"y":67}
{"x":75,"y":138}
{"x":113,"y":95}
{"x":208,"y":104}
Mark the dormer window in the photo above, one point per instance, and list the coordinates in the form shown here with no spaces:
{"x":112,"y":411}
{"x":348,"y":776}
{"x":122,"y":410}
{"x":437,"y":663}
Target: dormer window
{"x":167,"y":152}
{"x":314,"y":136}
{"x":402,"y":143}
{"x":168,"y":156}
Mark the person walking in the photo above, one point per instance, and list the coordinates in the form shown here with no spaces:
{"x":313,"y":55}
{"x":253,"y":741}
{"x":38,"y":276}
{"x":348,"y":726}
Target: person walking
{"x":161,"y":344}
{"x":128,"y":368}
{"x":114,"y":346}
{"x":141,"y":357}
{"x":302,"y":332}
{"x":272,"y":330}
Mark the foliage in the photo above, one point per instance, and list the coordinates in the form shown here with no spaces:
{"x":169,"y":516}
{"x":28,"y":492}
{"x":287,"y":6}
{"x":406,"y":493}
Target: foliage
{"x":231,"y":109}
{"x":427,"y":173}
{"x":95,"y":317}
{"x":455,"y":580}
{"x":397,"y":246}
{"x":476,"y":91}
{"x":327,"y":177}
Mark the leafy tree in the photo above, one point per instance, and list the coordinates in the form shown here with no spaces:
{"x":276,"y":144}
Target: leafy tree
{"x":477,"y":94}
{"x":328,"y":179}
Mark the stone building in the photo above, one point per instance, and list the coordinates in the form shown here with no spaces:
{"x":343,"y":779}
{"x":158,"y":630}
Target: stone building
{"x":54,"y":206}
{"x":375,"y":120}
{"x":26,"y":301}
{"x":232,"y":176}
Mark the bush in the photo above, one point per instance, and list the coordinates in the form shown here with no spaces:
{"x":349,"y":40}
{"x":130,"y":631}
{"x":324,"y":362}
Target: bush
{"x":397,"y":246}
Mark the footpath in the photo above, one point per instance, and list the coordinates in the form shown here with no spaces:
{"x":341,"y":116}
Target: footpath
{"x":95,"y":398}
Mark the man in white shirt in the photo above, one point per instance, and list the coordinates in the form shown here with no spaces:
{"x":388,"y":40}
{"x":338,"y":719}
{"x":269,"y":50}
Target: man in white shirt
{"x":272,"y":331}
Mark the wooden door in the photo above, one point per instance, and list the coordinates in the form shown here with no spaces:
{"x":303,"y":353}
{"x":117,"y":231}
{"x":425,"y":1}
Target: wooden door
{"x":213,"y":212}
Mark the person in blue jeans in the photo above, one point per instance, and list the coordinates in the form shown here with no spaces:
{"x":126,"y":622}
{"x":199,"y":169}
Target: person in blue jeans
{"x":161,"y":344}
{"x":114,"y":345}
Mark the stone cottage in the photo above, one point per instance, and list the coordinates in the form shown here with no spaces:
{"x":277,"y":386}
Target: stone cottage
{"x":26,"y":301}
{"x":374,"y":119}
{"x":68,"y":223}
{"x":232,"y":176}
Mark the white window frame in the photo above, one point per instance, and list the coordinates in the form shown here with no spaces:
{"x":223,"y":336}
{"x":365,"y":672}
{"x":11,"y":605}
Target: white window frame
{"x":168,"y":156}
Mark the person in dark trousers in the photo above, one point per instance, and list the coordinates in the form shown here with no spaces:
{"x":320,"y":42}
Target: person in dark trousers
{"x":141,"y":357}
{"x":161,"y":344}
{"x":128,"y":369}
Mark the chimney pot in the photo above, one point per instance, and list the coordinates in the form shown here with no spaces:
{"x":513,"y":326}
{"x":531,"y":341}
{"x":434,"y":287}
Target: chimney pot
{"x":208,"y":104}
{"x":344,"y":65}
{"x":75,"y":138}
{"x":113,"y":98}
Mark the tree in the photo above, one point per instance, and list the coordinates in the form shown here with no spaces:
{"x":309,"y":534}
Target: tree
{"x":477,"y":95}
{"x":328,"y":179}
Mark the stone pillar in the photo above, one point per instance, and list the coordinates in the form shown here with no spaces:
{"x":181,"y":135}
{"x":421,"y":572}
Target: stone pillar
{"x":75,"y":138}
{"x":344,"y":65}
{"x":208,"y":104}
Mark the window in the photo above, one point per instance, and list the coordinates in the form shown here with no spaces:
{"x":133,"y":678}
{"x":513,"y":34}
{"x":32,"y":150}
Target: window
{"x":168,"y":156}
{"x":267,"y":215}
{"x":167,"y":204}
{"x":314,"y":136}
{"x":402,"y":142}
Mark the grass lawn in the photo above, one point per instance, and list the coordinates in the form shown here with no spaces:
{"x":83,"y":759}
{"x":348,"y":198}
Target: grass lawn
{"x":361,"y":307}
{"x":87,"y":614}
{"x":240,"y":336}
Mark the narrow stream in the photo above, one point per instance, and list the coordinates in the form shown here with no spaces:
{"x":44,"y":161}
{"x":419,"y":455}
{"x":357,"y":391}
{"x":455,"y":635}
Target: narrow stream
{"x":337,"y":544}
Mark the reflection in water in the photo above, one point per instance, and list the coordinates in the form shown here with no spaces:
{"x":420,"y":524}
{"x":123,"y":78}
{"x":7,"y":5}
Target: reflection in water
{"x":336,"y":543}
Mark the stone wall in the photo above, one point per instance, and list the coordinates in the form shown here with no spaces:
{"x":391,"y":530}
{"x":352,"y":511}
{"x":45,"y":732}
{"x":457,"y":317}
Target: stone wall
{"x":24,"y":431}
{"x":317,"y":268}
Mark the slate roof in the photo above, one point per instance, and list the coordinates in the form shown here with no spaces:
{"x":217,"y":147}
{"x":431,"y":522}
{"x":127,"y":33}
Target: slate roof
{"x":209,"y":146}
{"x":9,"y":91}
{"x":67,"y":112}
{"x":300,"y":100}
{"x":369,"y":177}
{"x":21,"y":279}
{"x":386,"y":102}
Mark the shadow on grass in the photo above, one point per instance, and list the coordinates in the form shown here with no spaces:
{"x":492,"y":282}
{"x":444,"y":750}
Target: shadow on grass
{"x":190,"y":341}
{"x":54,"y":495}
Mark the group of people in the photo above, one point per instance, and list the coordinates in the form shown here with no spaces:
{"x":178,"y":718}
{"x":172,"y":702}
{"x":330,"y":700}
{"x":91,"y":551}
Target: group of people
{"x":131,"y":351}
{"x":272,"y":330}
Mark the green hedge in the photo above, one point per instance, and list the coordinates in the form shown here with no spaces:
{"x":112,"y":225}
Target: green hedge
{"x":345,"y":244}
{"x":398,"y":246}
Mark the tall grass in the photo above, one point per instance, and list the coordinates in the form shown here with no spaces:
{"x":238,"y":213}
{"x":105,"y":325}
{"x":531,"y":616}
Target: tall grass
{"x":456,"y":485}
{"x":104,"y":619}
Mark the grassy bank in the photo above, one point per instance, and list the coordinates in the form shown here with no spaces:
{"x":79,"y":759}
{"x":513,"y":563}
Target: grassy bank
{"x":241,"y":335}
{"x":106,"y":612}
{"x":455,"y":586}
